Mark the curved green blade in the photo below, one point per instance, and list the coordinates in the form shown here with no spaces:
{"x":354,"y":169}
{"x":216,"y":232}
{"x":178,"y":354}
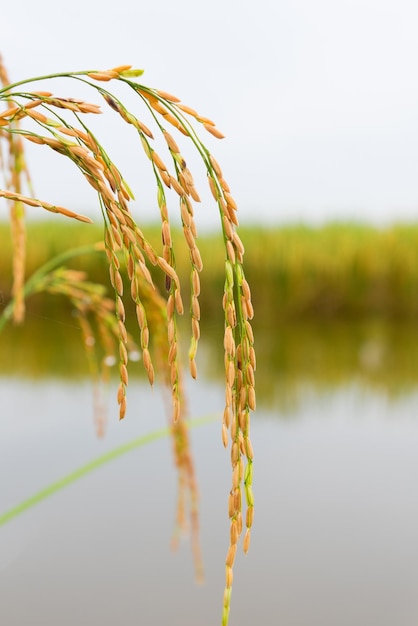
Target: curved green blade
{"x":90,"y":466}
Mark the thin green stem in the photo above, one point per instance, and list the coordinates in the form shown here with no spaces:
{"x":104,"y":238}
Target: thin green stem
{"x":93,"y":465}
{"x":31,"y":283}
{"x":35,"y":79}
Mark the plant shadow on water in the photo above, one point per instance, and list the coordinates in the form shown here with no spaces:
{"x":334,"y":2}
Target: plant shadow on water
{"x":337,"y":507}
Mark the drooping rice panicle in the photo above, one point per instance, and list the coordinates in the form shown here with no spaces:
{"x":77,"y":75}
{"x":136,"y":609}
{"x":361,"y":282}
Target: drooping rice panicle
{"x":126,"y":242}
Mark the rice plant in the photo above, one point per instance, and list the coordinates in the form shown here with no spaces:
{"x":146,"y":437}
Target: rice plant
{"x":62,"y":124}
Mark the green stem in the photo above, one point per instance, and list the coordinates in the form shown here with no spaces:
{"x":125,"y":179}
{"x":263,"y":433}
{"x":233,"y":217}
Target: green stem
{"x":31,"y":283}
{"x":91,"y":466}
{"x":35,"y":79}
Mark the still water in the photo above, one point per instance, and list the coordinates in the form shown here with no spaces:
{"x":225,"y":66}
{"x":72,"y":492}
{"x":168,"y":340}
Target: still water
{"x":335,"y":540}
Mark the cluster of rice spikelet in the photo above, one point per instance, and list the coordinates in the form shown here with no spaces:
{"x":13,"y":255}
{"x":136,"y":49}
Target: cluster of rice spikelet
{"x":43,"y":118}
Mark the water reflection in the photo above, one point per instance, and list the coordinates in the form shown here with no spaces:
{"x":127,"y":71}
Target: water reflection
{"x":290,"y":357}
{"x":336,"y":512}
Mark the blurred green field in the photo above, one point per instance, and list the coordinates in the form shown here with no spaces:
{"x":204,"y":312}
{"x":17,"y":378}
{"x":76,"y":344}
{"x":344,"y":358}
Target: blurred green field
{"x":338,"y":271}
{"x":333,"y":305}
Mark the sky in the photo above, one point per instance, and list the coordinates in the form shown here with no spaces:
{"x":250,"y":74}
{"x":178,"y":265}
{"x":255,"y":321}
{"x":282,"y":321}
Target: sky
{"x":318,"y":100}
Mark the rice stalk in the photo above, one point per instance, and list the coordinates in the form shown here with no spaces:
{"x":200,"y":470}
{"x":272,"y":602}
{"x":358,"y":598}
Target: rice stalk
{"x":16,"y":170}
{"x":59,"y":124}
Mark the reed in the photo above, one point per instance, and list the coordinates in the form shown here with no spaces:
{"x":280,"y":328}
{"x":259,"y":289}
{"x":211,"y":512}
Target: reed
{"x":61,"y":124}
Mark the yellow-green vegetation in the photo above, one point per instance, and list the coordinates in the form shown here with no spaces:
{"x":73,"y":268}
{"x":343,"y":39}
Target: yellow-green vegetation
{"x":338,"y":271}
{"x":334,"y":305}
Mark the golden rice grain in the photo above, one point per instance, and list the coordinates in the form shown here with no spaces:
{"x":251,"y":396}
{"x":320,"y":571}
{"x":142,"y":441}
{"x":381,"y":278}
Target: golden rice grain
{"x":249,"y":331}
{"x":215,"y":165}
{"x":193,"y":193}
{"x":227,"y":416}
{"x":239,"y":522}
{"x":239,"y":246}
{"x":165,"y":177}
{"x":123,"y":355}
{"x":167,"y":96}
{"x":250,"y":309}
{"x":193,"y":228}
{"x":230,"y":373}
{"x":228,"y":396}
{"x":230,"y":556}
{"x":120,"y":309}
{"x":172,"y":144}
{"x":123,"y":373}
{"x":250,"y":375}
{"x":213,"y":131}
{"x":230,"y":252}
{"x":195,"y":307}
{"x":234,"y":453}
{"x":231,"y":508}
{"x":120,"y":68}
{"x":118,"y":282}
{"x":243,"y":398}
{"x":224,"y":435}
{"x":166,"y":234}
{"x":246,"y":542}
{"x":11,"y":111}
{"x":230,"y":201}
{"x":249,"y":516}
{"x":183,"y":183}
{"x":232,"y":215}
{"x":121,"y":393}
{"x":143,"y":128}
{"x":246,"y":289}
{"x":196,"y":259}
{"x":171,"y":330}
{"x":168,"y":269}
{"x":173,"y":375}
{"x":249,"y":448}
{"x":195,"y":282}
{"x":213,"y":188}
{"x":237,"y":499}
{"x":224,"y":185}
{"x":171,"y":119}
{"x":187,"y":110}
{"x":158,"y":160}
{"x":101,"y":76}
{"x":172,"y":353}
{"x":176,"y":186}
{"x":170,"y":306}
{"x":233,"y":532}
{"x":117,"y":237}
{"x":193,"y":368}
{"x":39,"y":117}
{"x":243,"y":420}
{"x":205,"y":120}
{"x":122,"y":408}
{"x":144,"y":337}
{"x":122,"y":331}
{"x":178,"y":302}
{"x":230,"y":315}
{"x":252,"y":358}
{"x":195,"y":329}
{"x":188,"y":235}
{"x":146,"y":358}
{"x":229,"y":577}
{"x":236,"y":477}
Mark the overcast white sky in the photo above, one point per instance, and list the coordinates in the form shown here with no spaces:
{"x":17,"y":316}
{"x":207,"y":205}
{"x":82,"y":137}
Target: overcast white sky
{"x":318,"y":99}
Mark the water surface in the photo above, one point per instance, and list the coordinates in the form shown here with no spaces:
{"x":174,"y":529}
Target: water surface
{"x":335,"y":536}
